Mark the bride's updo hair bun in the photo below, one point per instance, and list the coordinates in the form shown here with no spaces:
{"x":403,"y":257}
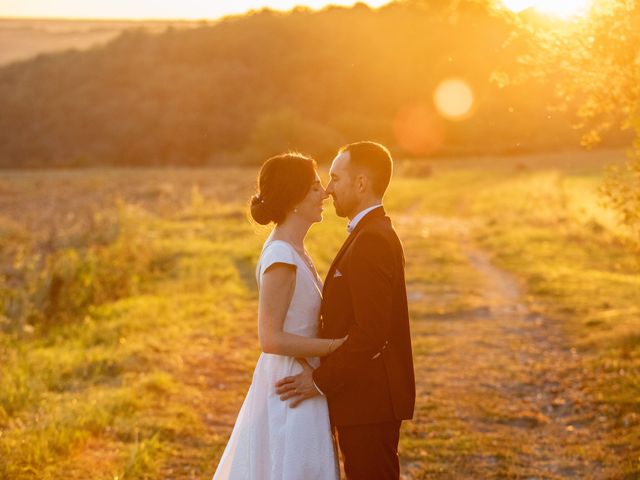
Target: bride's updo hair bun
{"x":259,"y":211}
{"x":283,"y":182}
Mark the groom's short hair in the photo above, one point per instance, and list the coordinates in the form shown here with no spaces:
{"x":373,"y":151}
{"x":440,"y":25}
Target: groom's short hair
{"x":374,"y":158}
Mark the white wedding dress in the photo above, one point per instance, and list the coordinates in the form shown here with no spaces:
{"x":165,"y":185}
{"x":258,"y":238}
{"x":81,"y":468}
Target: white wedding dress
{"x":270,"y":440}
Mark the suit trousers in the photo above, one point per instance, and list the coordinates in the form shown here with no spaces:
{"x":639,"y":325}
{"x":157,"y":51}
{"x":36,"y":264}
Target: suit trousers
{"x":370,"y":452}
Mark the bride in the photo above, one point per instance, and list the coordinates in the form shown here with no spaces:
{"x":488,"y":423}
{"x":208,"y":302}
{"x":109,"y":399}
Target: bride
{"x":271,"y":440}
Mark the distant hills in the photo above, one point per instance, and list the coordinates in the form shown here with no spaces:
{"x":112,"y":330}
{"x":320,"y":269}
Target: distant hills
{"x":25,"y":38}
{"x":246,"y":87}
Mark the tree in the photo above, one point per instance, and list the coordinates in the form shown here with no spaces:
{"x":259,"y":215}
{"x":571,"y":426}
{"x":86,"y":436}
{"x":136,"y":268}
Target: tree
{"x":599,"y":58}
{"x":237,"y":89}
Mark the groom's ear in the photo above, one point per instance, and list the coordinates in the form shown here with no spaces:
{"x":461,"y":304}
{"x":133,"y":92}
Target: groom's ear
{"x":361,"y":182}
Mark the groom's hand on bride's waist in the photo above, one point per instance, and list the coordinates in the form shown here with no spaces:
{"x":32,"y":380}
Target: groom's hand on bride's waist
{"x":298,"y":387}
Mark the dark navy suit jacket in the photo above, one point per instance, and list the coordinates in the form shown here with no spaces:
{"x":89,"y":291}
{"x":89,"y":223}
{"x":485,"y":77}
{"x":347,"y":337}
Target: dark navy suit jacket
{"x":370,"y":378}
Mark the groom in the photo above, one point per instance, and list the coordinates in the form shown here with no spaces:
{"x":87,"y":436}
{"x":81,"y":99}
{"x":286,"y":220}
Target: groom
{"x":369,"y":380}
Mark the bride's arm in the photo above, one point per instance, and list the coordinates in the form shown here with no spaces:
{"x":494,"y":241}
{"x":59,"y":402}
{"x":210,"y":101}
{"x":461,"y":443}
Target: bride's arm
{"x":276,"y":290}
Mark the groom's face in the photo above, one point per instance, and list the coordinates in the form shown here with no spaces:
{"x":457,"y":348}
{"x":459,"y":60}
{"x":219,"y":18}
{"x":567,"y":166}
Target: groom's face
{"x":340,"y":187}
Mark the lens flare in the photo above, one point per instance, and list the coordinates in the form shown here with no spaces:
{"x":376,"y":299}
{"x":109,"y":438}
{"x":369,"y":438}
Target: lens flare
{"x":418,"y":129}
{"x":454,"y":99}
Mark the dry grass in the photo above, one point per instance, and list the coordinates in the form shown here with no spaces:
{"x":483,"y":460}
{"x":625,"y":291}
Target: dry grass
{"x":128,"y":337}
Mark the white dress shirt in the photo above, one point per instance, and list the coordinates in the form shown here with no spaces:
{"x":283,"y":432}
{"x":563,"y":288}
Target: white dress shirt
{"x":355,"y":220}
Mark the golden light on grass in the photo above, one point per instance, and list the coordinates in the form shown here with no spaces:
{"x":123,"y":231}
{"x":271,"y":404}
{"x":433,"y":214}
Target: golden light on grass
{"x":454,"y":99}
{"x":558,"y":8}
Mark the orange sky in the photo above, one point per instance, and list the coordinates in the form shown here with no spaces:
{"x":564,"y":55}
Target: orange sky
{"x":152,"y":9}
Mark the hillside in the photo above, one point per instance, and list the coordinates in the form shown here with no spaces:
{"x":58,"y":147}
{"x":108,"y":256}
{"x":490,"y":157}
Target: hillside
{"x":247,"y":87}
{"x":24,"y":38}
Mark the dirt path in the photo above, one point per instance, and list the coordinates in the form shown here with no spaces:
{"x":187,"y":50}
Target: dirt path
{"x":502,"y":394}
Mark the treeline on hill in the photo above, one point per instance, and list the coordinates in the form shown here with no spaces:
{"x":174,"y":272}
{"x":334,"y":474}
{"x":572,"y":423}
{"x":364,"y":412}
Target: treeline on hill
{"x":250,"y":86}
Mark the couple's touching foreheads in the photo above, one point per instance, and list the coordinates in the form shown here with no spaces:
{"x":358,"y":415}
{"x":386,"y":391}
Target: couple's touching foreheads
{"x":336,"y":368}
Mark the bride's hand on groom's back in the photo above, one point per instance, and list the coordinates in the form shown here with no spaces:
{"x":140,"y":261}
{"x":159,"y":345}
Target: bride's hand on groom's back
{"x":335,"y":343}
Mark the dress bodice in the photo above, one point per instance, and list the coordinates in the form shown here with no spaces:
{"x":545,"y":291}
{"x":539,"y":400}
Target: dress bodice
{"x":304,"y":310}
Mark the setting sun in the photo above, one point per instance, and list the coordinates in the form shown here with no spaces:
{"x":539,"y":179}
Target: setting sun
{"x":563,"y":9}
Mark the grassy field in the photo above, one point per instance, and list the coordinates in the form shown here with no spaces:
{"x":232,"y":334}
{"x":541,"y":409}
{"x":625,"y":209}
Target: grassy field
{"x":128,"y":332}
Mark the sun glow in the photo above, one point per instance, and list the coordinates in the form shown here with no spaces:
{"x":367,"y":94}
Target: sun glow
{"x":155,"y":9}
{"x":557,"y":8}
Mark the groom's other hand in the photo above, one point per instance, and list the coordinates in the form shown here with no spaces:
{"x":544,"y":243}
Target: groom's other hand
{"x":299,"y":387}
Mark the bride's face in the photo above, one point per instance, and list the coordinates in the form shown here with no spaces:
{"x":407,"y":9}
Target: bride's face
{"x":310,"y":208}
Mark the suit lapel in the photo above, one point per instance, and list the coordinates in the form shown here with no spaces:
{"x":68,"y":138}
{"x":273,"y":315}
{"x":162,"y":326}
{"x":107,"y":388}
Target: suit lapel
{"x":378,"y":212}
{"x":334,"y":264}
